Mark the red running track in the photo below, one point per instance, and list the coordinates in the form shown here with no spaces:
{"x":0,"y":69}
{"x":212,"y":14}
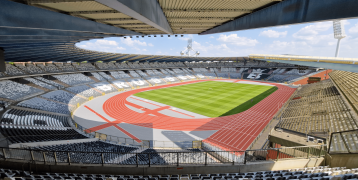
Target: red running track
{"x":235,"y":132}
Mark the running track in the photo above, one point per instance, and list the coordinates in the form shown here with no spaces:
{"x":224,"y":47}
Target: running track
{"x":235,"y":132}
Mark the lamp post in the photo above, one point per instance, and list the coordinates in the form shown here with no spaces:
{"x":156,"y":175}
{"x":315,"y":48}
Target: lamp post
{"x":339,"y":33}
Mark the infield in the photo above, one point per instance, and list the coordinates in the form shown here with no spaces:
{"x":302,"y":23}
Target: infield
{"x":211,"y":98}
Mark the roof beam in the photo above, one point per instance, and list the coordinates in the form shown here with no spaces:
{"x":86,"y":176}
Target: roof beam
{"x":147,"y":11}
{"x":291,"y":12}
{"x":37,"y":18}
{"x":94,"y":12}
{"x":209,"y":10}
{"x":201,"y":18}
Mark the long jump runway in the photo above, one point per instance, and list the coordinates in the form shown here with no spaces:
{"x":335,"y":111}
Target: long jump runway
{"x":123,"y":115}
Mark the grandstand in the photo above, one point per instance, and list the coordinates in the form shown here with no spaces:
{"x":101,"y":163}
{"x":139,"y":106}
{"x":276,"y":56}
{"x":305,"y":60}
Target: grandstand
{"x":71,"y":113}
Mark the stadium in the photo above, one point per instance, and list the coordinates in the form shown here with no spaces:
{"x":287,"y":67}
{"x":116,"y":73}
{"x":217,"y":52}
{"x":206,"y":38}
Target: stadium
{"x":72,"y":113}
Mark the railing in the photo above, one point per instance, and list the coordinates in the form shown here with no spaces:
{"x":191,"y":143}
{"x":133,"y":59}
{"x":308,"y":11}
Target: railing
{"x":344,"y":142}
{"x":187,"y":157}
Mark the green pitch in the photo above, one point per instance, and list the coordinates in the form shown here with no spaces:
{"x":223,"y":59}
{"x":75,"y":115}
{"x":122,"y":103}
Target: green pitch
{"x":210,"y":98}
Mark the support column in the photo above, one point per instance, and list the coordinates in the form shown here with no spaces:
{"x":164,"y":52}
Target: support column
{"x":2,"y":60}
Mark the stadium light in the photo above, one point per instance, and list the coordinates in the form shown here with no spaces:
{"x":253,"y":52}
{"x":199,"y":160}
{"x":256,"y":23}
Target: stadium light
{"x":137,"y":36}
{"x":182,"y":35}
{"x":161,"y":35}
{"x":176,"y":35}
{"x":168,"y":35}
{"x":155,"y":36}
{"x":339,"y":33}
{"x":125,"y":37}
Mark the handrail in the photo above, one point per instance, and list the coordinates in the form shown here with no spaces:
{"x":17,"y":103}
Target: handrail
{"x":162,"y":158}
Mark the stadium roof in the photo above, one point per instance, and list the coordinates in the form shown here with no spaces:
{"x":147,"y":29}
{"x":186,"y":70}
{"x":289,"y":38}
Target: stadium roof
{"x":47,"y":30}
{"x":337,"y":63}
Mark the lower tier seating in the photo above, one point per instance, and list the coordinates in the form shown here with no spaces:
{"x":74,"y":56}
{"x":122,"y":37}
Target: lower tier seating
{"x":45,"y":105}
{"x":36,"y":134}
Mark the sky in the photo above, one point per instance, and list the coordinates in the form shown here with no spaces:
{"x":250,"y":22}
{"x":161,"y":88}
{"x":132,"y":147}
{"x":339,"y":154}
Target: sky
{"x":311,"y":39}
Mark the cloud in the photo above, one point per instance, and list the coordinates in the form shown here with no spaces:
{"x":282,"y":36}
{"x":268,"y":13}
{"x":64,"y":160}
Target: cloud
{"x":130,"y":42}
{"x":354,"y":29}
{"x":237,"y":41}
{"x":211,"y":37}
{"x":311,"y":31}
{"x":281,"y":27}
{"x":150,"y":44}
{"x":102,"y":45}
{"x":273,"y":34}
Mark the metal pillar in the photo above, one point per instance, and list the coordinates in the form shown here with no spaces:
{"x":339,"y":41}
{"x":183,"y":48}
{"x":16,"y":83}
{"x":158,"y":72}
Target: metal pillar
{"x":337,"y":49}
{"x":2,"y":60}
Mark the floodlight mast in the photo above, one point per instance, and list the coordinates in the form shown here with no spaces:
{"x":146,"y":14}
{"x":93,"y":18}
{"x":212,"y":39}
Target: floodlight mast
{"x":339,"y":33}
{"x":188,"y":49}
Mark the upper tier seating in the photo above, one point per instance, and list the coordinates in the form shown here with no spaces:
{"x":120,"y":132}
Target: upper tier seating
{"x":50,"y":82}
{"x":32,"y":69}
{"x":122,"y":65}
{"x":84,"y":66}
{"x":104,"y":87}
{"x":103,"y":66}
{"x":138,"y":82}
{"x":16,"y":91}
{"x":66,"y":67}
{"x":45,"y":105}
{"x":64,"y":97}
{"x":317,"y":107}
{"x":86,"y":158}
{"x":278,"y":77}
{"x":97,"y":76}
{"x":134,"y":65}
{"x":18,"y":118}
{"x":239,"y":63}
{"x":105,"y":75}
{"x":84,"y":91}
{"x":40,"y":83}
{"x":121,"y":84}
{"x":13,"y":71}
{"x":49,"y":67}
{"x":74,"y":79}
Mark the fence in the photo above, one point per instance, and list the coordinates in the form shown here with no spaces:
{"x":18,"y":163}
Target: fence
{"x":187,"y":157}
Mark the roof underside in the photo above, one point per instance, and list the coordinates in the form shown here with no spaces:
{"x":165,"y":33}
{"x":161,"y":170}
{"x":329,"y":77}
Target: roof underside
{"x":183,"y":16}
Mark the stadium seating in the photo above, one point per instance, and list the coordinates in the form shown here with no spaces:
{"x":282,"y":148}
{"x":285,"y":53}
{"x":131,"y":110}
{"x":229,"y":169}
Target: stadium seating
{"x":138,"y":82}
{"x":134,"y":74}
{"x":64,"y":97}
{"x":84,"y":66}
{"x":13,"y":71}
{"x":235,"y":75}
{"x":324,"y":110}
{"x":16,"y":91}
{"x":84,"y":90}
{"x":348,"y":83}
{"x":66,"y":67}
{"x":77,"y":149}
{"x":122,"y":65}
{"x":105,"y":75}
{"x":97,"y":76}
{"x":49,"y":67}
{"x":104,"y":87}
{"x":74,"y":79}
{"x":40,"y":83}
{"x":45,"y":105}
{"x":156,"y":80}
{"x":141,"y":73}
{"x":31,"y":69}
{"x":170,"y":79}
{"x":21,"y":118}
{"x":50,"y":82}
{"x":115,"y":74}
{"x":210,"y":75}
{"x":121,"y":84}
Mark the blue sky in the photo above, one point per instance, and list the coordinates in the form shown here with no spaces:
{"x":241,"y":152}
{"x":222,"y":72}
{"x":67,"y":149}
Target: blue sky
{"x":312,"y":39}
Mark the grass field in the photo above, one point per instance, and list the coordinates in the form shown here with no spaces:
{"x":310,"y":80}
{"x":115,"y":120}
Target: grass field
{"x":210,"y":98}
